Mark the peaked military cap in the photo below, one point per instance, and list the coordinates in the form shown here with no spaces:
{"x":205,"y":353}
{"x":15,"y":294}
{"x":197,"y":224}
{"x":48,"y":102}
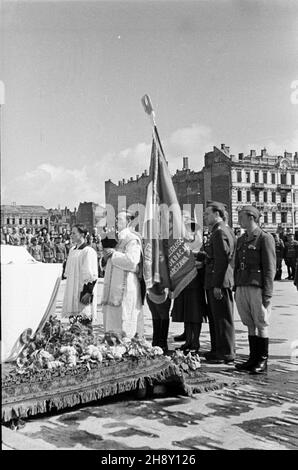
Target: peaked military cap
{"x":217,"y":206}
{"x":251,"y":210}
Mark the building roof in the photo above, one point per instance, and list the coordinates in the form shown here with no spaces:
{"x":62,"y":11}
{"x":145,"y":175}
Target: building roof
{"x":17,"y":209}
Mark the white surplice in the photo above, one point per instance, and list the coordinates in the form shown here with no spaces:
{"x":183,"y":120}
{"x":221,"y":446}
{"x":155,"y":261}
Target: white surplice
{"x":121,"y":300}
{"x":81,"y":268}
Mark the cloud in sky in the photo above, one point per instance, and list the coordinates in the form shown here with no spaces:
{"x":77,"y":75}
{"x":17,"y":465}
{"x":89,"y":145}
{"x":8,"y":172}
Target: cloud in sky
{"x":51,"y":185}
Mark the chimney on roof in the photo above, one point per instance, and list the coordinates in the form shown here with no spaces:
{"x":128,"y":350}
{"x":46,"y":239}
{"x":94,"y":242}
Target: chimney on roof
{"x":137,"y":177}
{"x":225,"y":148}
{"x":240,"y":155}
{"x":296,"y":154}
{"x":131,"y":178}
{"x":287,"y":154}
{"x":145,"y":173}
{"x":185,"y":163}
{"x":263,"y":152}
{"x":252,"y":153}
{"x":123,"y":181}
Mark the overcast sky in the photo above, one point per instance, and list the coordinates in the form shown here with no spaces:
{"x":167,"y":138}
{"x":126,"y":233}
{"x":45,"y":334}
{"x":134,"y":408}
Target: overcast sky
{"x":217,"y":72}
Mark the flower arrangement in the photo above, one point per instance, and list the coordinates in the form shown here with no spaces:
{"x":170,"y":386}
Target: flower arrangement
{"x":59,"y":346}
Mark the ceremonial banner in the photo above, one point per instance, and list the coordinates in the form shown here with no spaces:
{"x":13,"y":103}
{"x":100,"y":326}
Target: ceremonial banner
{"x":168,"y":262}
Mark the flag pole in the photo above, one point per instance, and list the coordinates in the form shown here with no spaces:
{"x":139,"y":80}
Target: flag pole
{"x":147,"y":104}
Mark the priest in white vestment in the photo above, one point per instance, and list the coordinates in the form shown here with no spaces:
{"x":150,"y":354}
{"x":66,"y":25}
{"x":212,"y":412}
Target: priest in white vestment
{"x":121,"y":300}
{"x":81,"y":272}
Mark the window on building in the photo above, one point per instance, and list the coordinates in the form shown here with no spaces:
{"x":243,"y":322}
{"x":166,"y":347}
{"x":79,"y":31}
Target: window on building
{"x":265,"y":217}
{"x":36,"y":221}
{"x":239,"y":177}
{"x":284,"y":217}
{"x":239,"y":196}
{"x":247,"y":176}
{"x":13,"y":221}
{"x":274,"y":217}
{"x":265,"y":196}
{"x":26,"y":221}
{"x":273,"y":178}
{"x":273,"y":197}
{"x":31,"y":221}
{"x":257,"y":196}
{"x":40,"y":221}
{"x":283,"y":197}
{"x":265,"y":177}
{"x":292,"y":179}
{"x":256,"y":176}
{"x":20,"y":221}
{"x":283,"y":178}
{"x":248,"y":196}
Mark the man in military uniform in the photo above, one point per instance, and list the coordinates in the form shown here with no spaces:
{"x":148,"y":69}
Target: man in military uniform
{"x":35,"y":249}
{"x":279,"y":251}
{"x":60,"y":250}
{"x":220,"y":250}
{"x":48,"y":250}
{"x":290,"y":254}
{"x":255,"y":267}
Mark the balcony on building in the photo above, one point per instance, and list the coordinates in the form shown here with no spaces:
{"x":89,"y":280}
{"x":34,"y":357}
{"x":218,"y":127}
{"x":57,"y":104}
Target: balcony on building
{"x":284,"y":206}
{"x":257,"y":186}
{"x":284,"y":187}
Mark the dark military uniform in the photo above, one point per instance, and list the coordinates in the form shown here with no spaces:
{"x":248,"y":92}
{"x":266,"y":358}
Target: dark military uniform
{"x":60,"y":252}
{"x":290,"y":255}
{"x":279,"y":251}
{"x":220,"y":251}
{"x":48,"y":252}
{"x":35,"y":251}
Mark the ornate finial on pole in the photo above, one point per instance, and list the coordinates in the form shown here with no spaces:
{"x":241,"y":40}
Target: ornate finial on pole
{"x":147,"y":105}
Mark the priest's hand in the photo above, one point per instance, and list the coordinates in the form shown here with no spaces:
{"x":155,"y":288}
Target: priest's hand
{"x":86,"y":299}
{"x":109,"y":252}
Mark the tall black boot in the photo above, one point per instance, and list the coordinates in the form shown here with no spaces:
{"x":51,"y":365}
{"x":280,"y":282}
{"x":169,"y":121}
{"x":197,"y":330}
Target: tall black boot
{"x":253,"y":357}
{"x":262,"y":350}
{"x":196,"y":331}
{"x":164,"y":335}
{"x":180,"y":337}
{"x":188,"y":338}
{"x":156,"y":322}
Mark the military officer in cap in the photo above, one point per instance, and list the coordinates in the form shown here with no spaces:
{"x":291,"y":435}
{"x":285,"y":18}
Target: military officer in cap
{"x":279,"y":251}
{"x":255,"y":268}
{"x":220,"y":252}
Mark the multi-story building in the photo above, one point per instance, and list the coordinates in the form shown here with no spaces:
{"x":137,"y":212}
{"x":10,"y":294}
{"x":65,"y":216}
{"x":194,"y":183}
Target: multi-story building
{"x":268,"y":182}
{"x":90,"y":214}
{"x":20,"y":216}
{"x":61,"y":219}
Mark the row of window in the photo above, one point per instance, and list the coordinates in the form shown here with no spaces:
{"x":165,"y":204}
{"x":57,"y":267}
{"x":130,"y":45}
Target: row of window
{"x":257,"y":196}
{"x":283,"y":177}
{"x":284,"y":218}
{"x":26,"y":221}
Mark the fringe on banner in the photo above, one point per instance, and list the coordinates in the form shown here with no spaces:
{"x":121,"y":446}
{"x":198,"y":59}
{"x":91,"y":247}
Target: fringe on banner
{"x":64,"y":400}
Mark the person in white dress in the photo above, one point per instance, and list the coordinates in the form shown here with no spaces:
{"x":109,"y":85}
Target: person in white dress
{"x":122,"y":300}
{"x":80,"y":296}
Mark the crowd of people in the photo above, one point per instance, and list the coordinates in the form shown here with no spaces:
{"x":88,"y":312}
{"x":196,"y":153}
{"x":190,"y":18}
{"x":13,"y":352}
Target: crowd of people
{"x":49,"y":246}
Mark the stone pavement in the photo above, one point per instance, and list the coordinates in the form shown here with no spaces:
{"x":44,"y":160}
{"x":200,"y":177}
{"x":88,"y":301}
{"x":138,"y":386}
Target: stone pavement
{"x":249,"y":413}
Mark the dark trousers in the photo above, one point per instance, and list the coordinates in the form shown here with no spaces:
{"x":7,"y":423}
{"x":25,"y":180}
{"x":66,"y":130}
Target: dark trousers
{"x":211,"y":322}
{"x":290,"y":262}
{"x":223,"y":322}
{"x":278,"y":269}
{"x":160,"y":322}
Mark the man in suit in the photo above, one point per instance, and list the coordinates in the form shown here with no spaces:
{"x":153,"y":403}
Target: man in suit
{"x":255,"y":269}
{"x":220,"y":252}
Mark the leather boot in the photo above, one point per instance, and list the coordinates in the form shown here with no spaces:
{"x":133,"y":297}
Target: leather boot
{"x":164,"y":335}
{"x":156,"y":322}
{"x":180,"y":337}
{"x":252,"y":360}
{"x":262,"y":350}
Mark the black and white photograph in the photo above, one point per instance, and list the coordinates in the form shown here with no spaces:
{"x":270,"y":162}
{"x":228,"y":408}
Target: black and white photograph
{"x":149,"y":228}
